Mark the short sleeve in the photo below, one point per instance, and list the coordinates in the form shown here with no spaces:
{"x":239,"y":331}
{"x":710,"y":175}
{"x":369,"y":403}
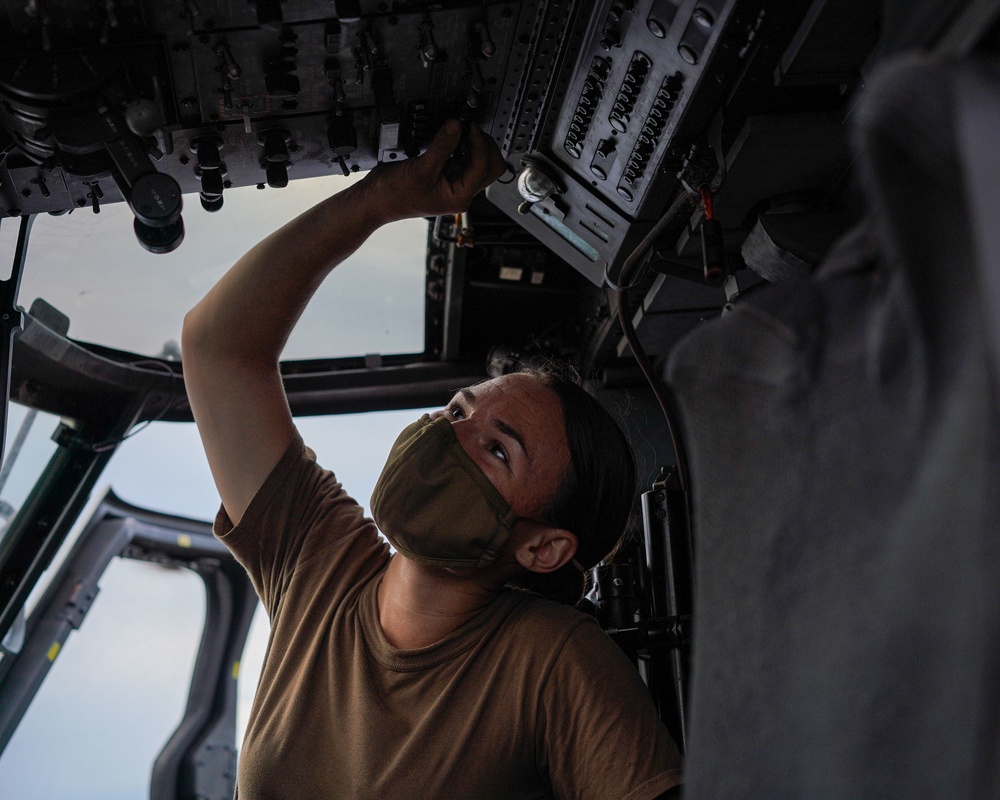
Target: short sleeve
{"x":602,"y":738}
{"x":300,"y":512}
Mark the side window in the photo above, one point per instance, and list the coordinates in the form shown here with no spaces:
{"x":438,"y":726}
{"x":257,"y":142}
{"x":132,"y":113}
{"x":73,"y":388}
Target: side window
{"x":27,"y":451}
{"x":28,"y":446}
{"x":114,"y":696}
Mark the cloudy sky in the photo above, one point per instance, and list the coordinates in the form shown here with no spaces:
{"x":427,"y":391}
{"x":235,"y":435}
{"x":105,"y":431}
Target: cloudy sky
{"x":91,"y":268}
{"x":118,"y":687}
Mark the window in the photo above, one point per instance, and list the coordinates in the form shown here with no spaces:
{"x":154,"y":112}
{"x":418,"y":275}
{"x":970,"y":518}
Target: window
{"x":117,"y":689}
{"x":27,"y":451}
{"x":90,"y":267}
{"x":115,"y":692}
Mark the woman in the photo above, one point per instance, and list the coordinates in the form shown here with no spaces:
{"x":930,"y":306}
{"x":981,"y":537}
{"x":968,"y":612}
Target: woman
{"x":418,"y":675}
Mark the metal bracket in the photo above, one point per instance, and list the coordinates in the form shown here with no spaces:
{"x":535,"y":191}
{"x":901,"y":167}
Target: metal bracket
{"x":672,"y":631}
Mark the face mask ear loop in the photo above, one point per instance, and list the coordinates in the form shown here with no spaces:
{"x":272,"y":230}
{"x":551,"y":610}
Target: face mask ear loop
{"x":579,"y":566}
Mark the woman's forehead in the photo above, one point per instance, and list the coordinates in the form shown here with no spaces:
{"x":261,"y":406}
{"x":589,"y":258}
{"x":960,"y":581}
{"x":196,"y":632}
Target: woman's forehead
{"x":519,"y":386}
{"x":523,"y":402}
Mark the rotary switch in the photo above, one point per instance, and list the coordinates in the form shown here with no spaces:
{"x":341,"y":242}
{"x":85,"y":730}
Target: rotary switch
{"x":534,"y":184}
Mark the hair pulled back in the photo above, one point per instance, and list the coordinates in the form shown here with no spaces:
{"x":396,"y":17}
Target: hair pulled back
{"x":594,"y":500}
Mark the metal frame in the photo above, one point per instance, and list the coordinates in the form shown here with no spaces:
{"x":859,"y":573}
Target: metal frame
{"x":11,"y":317}
{"x":199,"y":760}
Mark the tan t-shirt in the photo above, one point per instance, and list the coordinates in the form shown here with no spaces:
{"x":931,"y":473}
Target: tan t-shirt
{"x":528,"y":700}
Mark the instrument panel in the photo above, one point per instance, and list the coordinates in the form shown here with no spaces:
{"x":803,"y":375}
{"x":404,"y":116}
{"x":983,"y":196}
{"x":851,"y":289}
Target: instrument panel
{"x":603,"y":110}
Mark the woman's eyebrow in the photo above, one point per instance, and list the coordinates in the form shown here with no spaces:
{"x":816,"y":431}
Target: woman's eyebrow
{"x":470,"y":398}
{"x":504,"y":428}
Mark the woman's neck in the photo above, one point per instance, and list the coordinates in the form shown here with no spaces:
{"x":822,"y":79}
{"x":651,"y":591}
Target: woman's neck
{"x":420,"y":605}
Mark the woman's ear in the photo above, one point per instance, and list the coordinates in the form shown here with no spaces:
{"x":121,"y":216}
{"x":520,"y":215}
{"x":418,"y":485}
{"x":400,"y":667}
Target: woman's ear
{"x":543,"y":548}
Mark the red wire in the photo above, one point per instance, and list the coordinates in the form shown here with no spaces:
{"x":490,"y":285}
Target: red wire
{"x":706,"y":202}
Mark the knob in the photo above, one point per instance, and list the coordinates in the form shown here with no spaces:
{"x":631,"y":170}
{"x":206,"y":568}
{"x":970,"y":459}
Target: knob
{"x":342,"y":136}
{"x":156,"y":202}
{"x":143,"y":117}
{"x":534,"y":184}
{"x":156,"y":199}
{"x":209,"y":170}
{"x":276,"y":175}
{"x":275,"y":158}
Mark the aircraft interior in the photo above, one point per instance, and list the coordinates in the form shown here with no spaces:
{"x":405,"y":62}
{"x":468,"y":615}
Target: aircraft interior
{"x":763,"y":231}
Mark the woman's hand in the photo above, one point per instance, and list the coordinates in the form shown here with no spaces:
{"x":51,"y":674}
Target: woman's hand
{"x":421,"y":187}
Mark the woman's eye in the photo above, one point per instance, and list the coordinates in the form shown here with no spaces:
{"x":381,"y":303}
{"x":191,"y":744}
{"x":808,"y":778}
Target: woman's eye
{"x":498,"y":451}
{"x":456,"y":412}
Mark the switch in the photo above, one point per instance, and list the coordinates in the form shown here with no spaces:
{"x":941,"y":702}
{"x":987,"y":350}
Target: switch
{"x":476,"y":79}
{"x":486,"y":44}
{"x":661,"y":17}
{"x":534,"y":184}
{"x":95,"y":194}
{"x":210,"y":171}
{"x":429,"y":52}
{"x":228,"y":64}
{"x":343,"y":139}
{"x":244,"y":108}
{"x":604,"y":157}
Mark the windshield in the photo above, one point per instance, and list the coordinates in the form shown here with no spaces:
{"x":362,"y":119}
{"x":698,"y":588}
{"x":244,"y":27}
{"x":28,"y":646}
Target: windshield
{"x":90,"y":267}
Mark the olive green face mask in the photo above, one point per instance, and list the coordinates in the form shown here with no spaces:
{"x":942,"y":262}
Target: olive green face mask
{"x":433,"y":502}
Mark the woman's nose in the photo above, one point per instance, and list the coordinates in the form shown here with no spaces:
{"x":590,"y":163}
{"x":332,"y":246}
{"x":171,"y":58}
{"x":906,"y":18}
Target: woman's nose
{"x":467,"y":432}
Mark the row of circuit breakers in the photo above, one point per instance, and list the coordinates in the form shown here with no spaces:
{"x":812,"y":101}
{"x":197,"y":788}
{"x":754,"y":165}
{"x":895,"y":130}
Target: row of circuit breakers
{"x":147,"y":100}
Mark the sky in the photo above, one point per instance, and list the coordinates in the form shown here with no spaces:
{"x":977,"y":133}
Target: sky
{"x":118,"y":687}
{"x":90,"y":267}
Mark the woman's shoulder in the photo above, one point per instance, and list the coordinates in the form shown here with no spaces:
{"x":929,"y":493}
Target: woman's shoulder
{"x":551,"y":638}
{"x":537,"y":617}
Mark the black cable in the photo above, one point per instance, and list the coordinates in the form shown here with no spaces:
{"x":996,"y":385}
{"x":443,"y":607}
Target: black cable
{"x":659,"y":390}
{"x":634,"y":258}
{"x":635,"y":262}
{"x":110,"y":444}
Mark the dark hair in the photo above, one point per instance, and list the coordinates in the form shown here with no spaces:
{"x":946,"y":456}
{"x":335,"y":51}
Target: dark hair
{"x":594,"y":500}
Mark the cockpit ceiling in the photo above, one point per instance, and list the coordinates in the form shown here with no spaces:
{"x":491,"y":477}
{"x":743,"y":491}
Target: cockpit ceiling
{"x":605,"y":103}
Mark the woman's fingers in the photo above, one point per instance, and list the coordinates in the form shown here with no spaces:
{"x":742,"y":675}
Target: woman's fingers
{"x":422,"y":186}
{"x":441,"y":148}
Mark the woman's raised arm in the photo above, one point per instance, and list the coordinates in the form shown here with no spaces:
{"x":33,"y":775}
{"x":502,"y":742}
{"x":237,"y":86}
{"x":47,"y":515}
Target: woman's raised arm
{"x":233,"y":338}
